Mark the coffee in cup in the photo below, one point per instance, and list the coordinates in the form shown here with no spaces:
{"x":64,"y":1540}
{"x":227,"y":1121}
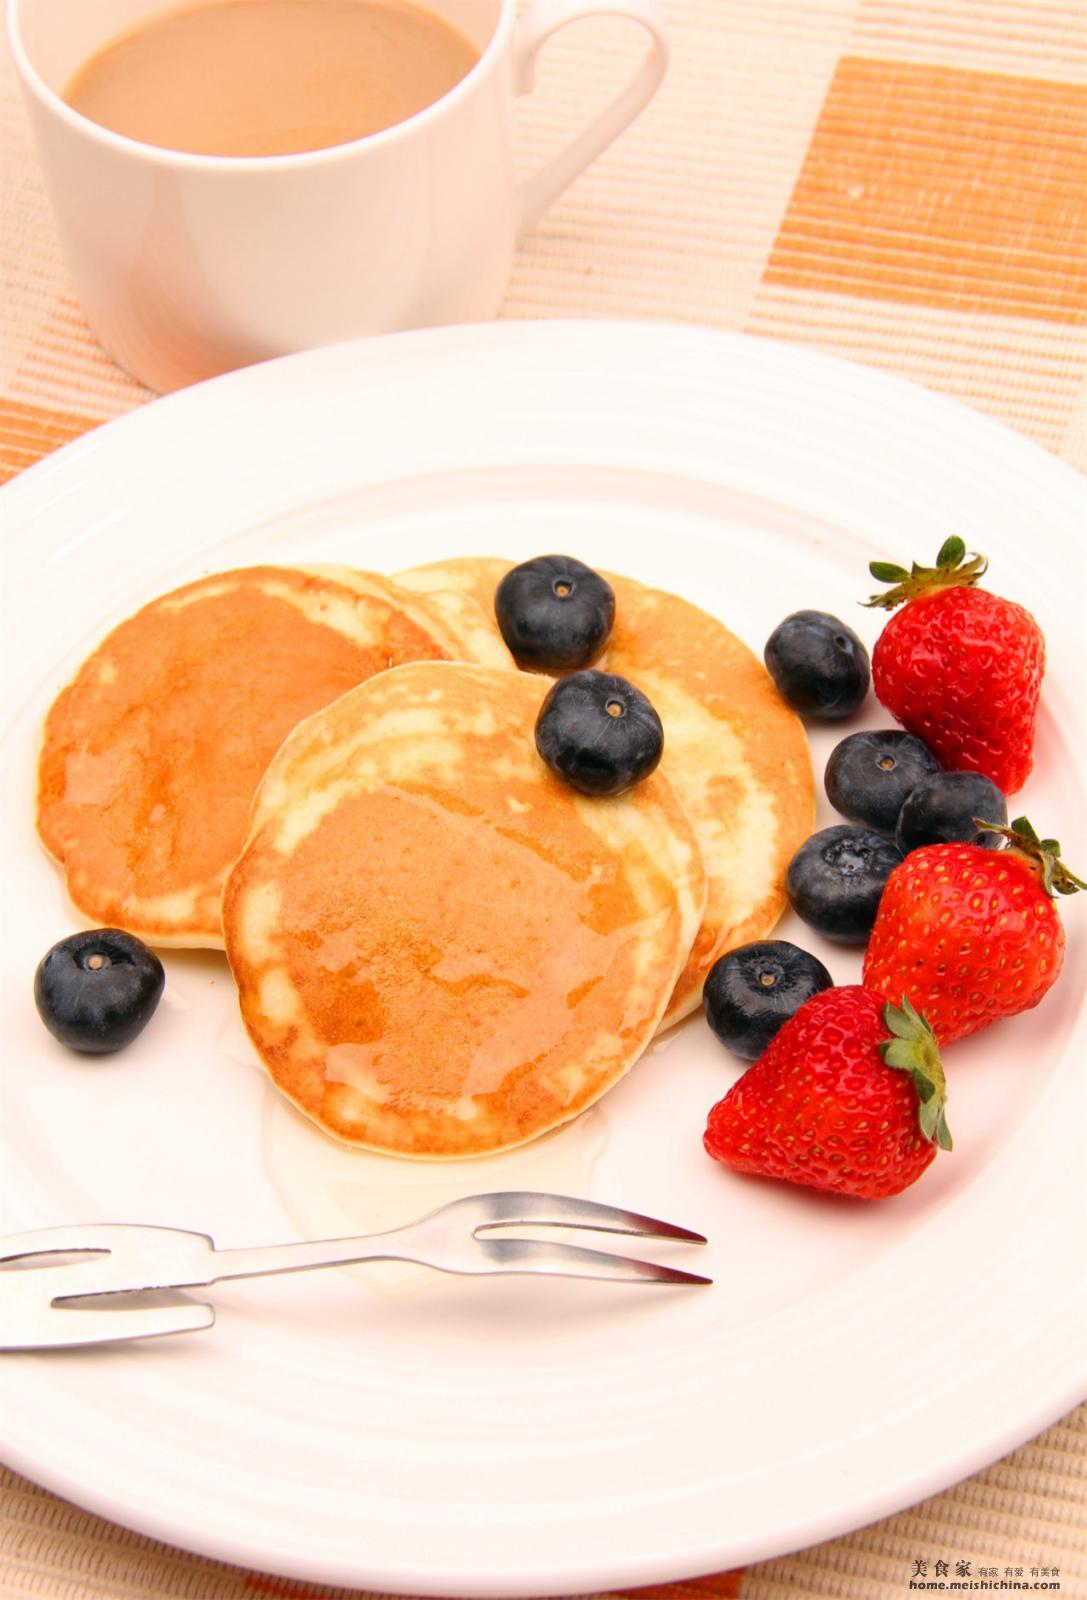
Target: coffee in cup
{"x":270,"y":77}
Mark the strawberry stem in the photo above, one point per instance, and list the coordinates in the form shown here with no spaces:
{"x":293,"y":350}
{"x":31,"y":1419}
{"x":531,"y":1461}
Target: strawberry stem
{"x":1042,"y":855}
{"x":953,"y":570}
{"x":913,"y":1049}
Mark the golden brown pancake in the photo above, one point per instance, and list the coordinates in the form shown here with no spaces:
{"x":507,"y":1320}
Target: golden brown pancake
{"x":152,"y":754}
{"x":738,"y":758}
{"x":476,"y":576}
{"x":440,"y":948}
{"x":466,"y":631}
{"x":734,"y":751}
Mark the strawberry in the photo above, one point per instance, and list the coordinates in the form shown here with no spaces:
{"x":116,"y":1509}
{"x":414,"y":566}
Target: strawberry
{"x":848,"y":1097}
{"x":971,"y":935}
{"x":959,"y":667}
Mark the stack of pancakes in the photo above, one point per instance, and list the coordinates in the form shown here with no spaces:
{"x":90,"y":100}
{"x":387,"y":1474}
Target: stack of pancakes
{"x":441,"y":950}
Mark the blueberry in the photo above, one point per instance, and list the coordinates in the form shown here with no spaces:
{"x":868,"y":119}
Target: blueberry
{"x":753,"y":991}
{"x":818,"y":664}
{"x":95,"y":991}
{"x":554,"y":613}
{"x":941,"y":810}
{"x":870,"y":774}
{"x":599,"y":733}
{"x":836,"y":878}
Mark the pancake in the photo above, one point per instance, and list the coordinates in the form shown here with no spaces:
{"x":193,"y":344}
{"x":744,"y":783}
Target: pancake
{"x":441,"y":950}
{"x":734,"y":751}
{"x":152,"y":753}
{"x":738,"y":758}
{"x":475,"y":576}
{"x":467,"y":631}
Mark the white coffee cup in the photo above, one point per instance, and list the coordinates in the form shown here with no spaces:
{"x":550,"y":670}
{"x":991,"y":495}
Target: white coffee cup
{"x":189,"y":265}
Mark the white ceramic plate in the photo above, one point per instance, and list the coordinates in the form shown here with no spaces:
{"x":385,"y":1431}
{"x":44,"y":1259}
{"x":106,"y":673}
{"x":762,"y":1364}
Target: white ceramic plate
{"x":420,"y":1434}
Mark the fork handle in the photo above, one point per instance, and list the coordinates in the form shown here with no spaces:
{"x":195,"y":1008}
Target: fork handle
{"x":265,"y":1260}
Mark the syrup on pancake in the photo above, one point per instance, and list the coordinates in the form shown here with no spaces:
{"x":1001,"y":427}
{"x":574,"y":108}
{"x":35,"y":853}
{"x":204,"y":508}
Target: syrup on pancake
{"x":440,"y":948}
{"x":152,"y":753}
{"x":735,"y":752}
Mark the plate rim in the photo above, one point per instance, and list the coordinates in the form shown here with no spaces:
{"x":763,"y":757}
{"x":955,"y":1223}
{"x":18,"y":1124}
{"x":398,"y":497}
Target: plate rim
{"x":36,"y":480}
{"x":579,"y":1577}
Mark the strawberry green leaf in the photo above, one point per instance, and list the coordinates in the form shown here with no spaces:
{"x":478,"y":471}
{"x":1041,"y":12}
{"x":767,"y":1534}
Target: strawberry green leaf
{"x":933,"y":1122}
{"x":953,"y":570}
{"x":1023,"y":829}
{"x":912,"y":1048}
{"x":951,"y":553}
{"x":1042,"y":856}
{"x":913,"y":1015}
{"x":900,"y":1024}
{"x":899,"y":1053}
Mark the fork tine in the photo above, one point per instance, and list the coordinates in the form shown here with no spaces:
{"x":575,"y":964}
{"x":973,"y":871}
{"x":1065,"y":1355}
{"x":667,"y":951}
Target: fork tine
{"x":56,"y":1241}
{"x":575,"y":1261}
{"x":64,"y":1325}
{"x":564,"y":1211}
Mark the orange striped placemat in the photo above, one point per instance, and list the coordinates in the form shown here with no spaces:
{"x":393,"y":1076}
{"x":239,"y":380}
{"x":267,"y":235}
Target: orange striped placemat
{"x":901,"y":182}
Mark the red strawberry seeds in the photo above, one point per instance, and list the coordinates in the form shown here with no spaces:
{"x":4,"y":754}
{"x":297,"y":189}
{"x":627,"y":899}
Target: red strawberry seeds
{"x":960,"y":668}
{"x":848,"y":1097}
{"x":969,"y":936}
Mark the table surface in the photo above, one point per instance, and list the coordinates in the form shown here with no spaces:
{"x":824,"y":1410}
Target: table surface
{"x":900,"y":182}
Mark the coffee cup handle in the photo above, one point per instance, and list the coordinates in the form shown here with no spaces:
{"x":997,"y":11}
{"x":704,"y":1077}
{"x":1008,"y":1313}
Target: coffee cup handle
{"x":534,"y":27}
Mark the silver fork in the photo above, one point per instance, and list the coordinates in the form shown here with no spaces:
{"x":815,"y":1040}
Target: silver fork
{"x":44,"y":1304}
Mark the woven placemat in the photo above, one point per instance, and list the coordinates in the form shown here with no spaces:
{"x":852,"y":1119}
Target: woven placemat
{"x":901,"y":182}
